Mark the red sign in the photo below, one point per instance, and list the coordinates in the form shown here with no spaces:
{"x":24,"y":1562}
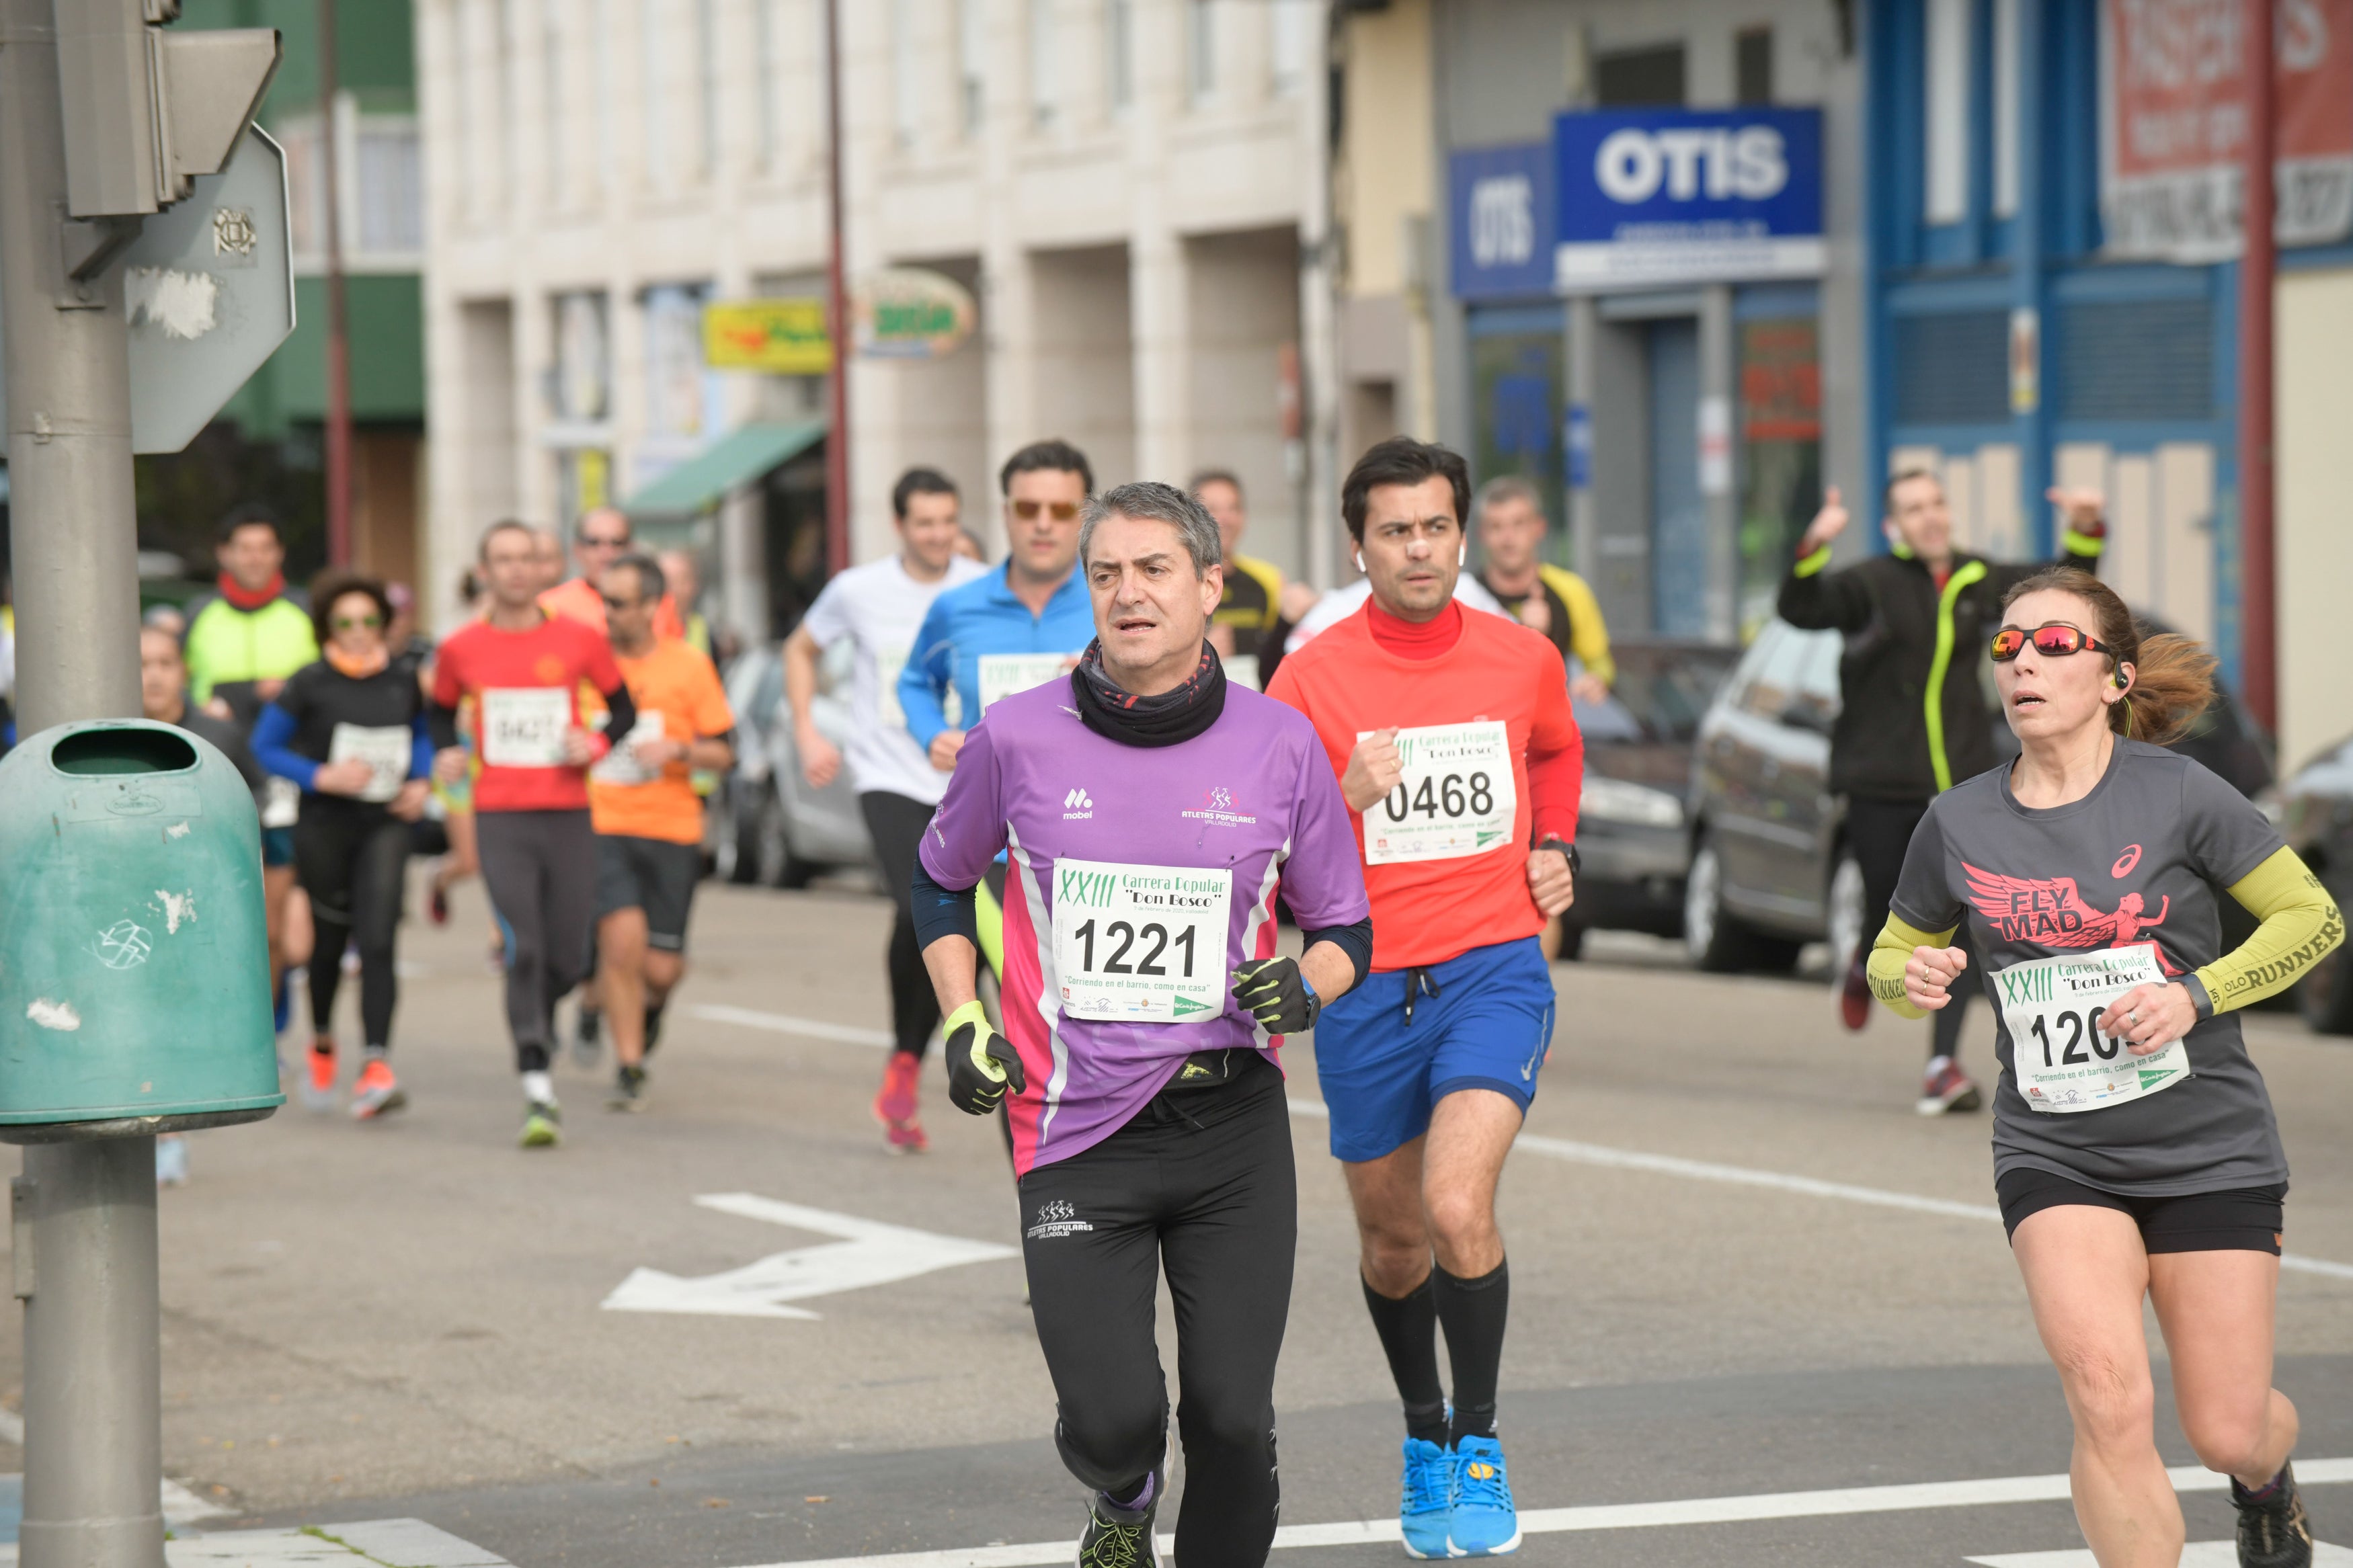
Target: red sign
{"x":2173,"y":78}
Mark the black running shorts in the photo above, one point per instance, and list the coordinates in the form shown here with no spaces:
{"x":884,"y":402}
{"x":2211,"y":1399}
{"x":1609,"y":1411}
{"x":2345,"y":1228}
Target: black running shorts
{"x":2240,"y":1219}
{"x":650,"y":874}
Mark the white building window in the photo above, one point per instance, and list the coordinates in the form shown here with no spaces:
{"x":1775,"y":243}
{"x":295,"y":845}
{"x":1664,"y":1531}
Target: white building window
{"x":972,"y":62}
{"x":2006,"y":108}
{"x":1946,"y":101}
{"x":906,"y":104}
{"x":1119,"y":53}
{"x":1200,"y":48}
{"x":389,"y":189}
{"x":1294,"y":45}
{"x":1045,"y":63}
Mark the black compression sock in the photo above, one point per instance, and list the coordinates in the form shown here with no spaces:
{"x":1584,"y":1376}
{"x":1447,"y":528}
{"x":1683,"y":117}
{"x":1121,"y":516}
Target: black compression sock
{"x":1472,"y":1312}
{"x":1408,"y":1326}
{"x":653,"y":1026}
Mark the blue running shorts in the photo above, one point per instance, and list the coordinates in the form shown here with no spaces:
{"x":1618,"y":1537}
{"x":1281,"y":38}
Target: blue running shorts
{"x":1488,"y":1027}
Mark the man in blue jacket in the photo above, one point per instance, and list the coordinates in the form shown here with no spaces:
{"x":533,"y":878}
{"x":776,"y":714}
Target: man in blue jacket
{"x":1022,"y":624}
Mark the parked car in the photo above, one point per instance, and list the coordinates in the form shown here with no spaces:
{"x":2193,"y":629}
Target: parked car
{"x":2316,"y":817}
{"x":1769,"y":868}
{"x":1632,"y":835}
{"x":767,"y":827}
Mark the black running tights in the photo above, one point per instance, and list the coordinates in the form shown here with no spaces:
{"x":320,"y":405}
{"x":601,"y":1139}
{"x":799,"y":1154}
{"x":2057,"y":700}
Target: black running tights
{"x":1879,"y":831}
{"x":541,"y":869}
{"x":350,"y":857}
{"x":896,"y":824}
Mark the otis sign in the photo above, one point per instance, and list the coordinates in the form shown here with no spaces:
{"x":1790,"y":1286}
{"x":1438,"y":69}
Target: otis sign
{"x":1669,"y":196}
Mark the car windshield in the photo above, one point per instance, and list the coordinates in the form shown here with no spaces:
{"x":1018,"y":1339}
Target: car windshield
{"x":1659,"y":694}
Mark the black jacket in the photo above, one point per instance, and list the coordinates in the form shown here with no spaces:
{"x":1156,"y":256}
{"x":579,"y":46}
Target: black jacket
{"x":1915,"y":720}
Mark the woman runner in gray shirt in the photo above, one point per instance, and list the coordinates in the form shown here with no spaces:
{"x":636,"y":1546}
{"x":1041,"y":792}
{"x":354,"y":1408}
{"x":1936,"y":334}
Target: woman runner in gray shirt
{"x":2135,"y":1150}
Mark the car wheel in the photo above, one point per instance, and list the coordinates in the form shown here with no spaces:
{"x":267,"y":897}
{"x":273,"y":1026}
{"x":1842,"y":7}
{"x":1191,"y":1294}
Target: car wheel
{"x":1846,"y":917}
{"x":2324,"y":996}
{"x":1714,"y":941}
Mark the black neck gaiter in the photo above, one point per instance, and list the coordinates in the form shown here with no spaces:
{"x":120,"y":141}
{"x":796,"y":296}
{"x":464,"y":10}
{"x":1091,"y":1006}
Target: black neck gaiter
{"x":1162,"y":720}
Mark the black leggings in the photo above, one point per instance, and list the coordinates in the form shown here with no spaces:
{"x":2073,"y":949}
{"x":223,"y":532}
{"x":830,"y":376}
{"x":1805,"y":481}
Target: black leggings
{"x":349,"y":856}
{"x":1879,"y":831}
{"x":1199,"y":1184}
{"x":896,"y":825}
{"x":541,"y":869}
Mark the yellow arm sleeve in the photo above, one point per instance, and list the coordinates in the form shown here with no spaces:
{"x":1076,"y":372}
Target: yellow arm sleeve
{"x":1891,"y":952}
{"x":2301,"y":923}
{"x":1589,"y":634}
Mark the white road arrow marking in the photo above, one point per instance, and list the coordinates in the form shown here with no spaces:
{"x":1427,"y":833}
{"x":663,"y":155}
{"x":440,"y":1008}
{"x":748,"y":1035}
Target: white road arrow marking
{"x":869,"y":1253}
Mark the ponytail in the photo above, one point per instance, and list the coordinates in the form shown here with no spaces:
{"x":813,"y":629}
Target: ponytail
{"x":2173,"y":676}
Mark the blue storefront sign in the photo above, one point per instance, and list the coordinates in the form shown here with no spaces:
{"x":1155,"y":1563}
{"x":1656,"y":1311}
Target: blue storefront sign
{"x":1502,"y":222}
{"x":1653,"y":196}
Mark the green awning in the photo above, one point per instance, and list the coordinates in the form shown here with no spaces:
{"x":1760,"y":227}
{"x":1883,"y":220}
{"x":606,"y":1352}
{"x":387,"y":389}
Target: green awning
{"x":741,"y":456}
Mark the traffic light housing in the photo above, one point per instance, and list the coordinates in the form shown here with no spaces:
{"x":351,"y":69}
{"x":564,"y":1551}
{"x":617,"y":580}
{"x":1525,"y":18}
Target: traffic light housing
{"x":147,"y":110}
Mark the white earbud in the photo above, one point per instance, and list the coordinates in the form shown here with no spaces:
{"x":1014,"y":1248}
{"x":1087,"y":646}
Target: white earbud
{"x":1462,"y":554}
{"x":1360,"y":559}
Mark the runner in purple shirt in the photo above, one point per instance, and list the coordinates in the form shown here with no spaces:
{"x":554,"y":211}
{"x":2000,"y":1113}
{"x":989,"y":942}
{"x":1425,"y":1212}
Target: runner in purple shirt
{"x":1150,"y":812}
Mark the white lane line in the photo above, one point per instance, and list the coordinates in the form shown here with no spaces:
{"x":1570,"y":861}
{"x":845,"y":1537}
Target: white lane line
{"x":1994,"y":1491}
{"x":782,"y":1023}
{"x":1744,"y":1176}
{"x":2197,"y":1554}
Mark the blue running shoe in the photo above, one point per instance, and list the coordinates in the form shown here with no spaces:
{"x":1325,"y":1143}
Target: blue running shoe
{"x":1429,"y":1499}
{"x":1485,"y":1523}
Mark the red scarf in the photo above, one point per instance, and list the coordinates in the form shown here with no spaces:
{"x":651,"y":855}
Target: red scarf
{"x":248,"y":602}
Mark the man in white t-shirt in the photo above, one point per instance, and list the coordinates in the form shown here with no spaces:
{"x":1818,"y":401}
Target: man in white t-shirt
{"x":879,"y":606}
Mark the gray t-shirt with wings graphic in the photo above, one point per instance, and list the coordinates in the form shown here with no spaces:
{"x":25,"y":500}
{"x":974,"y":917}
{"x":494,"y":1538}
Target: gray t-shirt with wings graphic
{"x":2144,"y":857}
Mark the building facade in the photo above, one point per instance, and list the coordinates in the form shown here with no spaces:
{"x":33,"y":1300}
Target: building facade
{"x":1133,"y":191}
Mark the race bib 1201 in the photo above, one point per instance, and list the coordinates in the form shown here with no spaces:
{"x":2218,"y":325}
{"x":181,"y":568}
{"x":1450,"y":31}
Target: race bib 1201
{"x":522,"y":726}
{"x":2063,"y":1064}
{"x":384,"y":748}
{"x":1141,"y":944}
{"x":1004,"y":674}
{"x":1455,"y":797}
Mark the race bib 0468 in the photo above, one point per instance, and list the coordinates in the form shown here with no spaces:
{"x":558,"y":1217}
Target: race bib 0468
{"x":522,"y":726}
{"x":1455,"y":798}
{"x":1142,"y":944}
{"x":2062,"y":1062}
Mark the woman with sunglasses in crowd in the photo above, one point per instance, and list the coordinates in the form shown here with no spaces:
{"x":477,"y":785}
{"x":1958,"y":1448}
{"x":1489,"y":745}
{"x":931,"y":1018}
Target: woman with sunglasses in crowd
{"x":350,"y":730}
{"x":2136,"y":1155}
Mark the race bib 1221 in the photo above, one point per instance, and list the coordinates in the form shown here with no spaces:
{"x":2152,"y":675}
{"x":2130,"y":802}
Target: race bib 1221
{"x":1144,"y":944}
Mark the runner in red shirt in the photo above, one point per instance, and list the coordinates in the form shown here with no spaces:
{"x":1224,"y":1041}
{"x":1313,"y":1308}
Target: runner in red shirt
{"x":1461,"y":762}
{"x":523,"y":670}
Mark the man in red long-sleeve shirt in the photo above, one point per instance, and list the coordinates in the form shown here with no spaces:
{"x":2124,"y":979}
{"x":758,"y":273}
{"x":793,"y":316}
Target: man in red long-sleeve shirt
{"x":1461,"y":765}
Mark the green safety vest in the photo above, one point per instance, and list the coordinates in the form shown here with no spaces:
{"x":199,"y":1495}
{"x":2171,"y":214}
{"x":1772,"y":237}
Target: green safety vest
{"x":226,"y":644}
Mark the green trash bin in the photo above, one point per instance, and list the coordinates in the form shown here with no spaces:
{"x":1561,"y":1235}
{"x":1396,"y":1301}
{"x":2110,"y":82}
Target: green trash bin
{"x":134,"y":954}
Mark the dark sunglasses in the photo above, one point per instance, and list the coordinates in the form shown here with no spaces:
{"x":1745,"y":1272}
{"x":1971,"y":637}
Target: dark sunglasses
{"x":1062,"y":511}
{"x":352,"y":623}
{"x":2056,"y":641}
{"x":590,"y":540}
{"x":613,"y":604}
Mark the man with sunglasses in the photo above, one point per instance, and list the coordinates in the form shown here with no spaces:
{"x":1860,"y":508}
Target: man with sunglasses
{"x":1915,"y":720}
{"x":604,"y":538}
{"x":1020,"y":625}
{"x":648,"y":819}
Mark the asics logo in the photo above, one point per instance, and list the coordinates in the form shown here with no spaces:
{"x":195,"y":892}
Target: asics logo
{"x":2125,"y":862}
{"x":1077,"y":800}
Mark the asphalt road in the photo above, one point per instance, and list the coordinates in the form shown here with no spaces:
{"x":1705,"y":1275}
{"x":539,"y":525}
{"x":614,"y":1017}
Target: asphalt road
{"x":1725,"y":1284}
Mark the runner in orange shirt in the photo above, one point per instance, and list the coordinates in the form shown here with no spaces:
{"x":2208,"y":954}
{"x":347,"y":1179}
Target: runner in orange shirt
{"x":648,"y":819}
{"x":605,"y":538}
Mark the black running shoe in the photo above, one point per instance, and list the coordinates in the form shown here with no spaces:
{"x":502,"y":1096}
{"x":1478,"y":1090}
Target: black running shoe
{"x":1119,"y":1537}
{"x":2273,"y":1530}
{"x":628,"y":1089}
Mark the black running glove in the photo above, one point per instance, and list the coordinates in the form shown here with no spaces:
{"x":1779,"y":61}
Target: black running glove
{"x":1272,"y":991}
{"x":981,"y":1062}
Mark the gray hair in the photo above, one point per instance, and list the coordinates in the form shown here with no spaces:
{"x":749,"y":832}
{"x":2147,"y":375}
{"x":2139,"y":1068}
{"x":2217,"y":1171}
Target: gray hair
{"x":1150,"y":500}
{"x":1506,"y":487}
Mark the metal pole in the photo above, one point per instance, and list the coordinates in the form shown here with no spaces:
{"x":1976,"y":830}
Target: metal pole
{"x":2258,"y":582}
{"x":339,"y":348}
{"x":837,"y":443}
{"x":86,"y":1266}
